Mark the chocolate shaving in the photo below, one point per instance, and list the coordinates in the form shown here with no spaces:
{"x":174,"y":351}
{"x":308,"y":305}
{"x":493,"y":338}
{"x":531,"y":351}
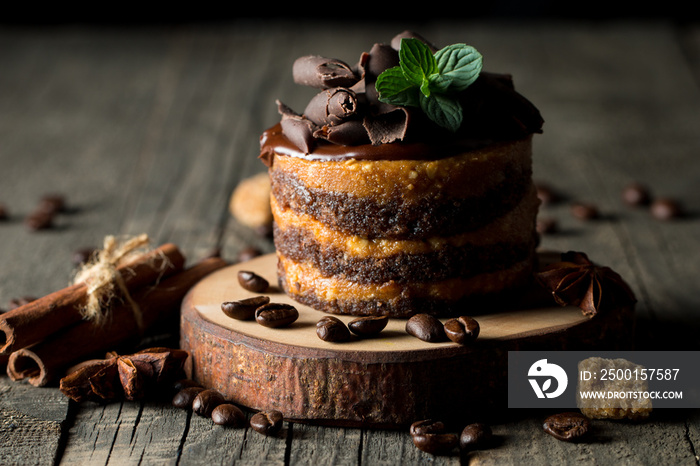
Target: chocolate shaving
{"x":396,"y":41}
{"x":388,"y":126}
{"x":348,"y":133}
{"x":298,"y":129}
{"x":323,"y":73}
{"x":331,"y":106}
{"x":576,"y":281}
{"x":129,"y":377}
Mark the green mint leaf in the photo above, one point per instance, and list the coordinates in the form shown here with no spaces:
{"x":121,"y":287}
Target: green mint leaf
{"x":430,"y":81}
{"x":444,"y":111}
{"x":458,"y":67}
{"x":395,"y":89}
{"x":417,"y":62}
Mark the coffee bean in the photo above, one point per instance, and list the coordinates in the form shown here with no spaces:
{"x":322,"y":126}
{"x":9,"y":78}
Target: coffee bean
{"x":427,"y":426}
{"x":436,"y":444}
{"x":567,"y":426}
{"x":227,"y":414}
{"x":332,"y":329}
{"x":267,"y":422}
{"x":39,"y":220}
{"x":475,"y":436}
{"x":82,"y":255}
{"x":244,"y":309}
{"x":205,"y":402}
{"x":426,"y":327}
{"x":462,"y":330}
{"x":252,"y":281}
{"x":248,"y":253}
{"x":276,"y":315}
{"x":181,"y":384}
{"x":368,"y":326}
{"x":4,"y":212}
{"x":636,"y":194}
{"x":584,"y":211}
{"x":546,"y":225}
{"x":666,"y":209}
{"x":184,"y":398}
{"x":19,"y":302}
{"x":546,"y":194}
{"x":52,"y":203}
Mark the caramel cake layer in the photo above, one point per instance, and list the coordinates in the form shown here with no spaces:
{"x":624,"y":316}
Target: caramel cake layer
{"x":402,"y":199}
{"x":505,"y":241}
{"x":336,"y":295}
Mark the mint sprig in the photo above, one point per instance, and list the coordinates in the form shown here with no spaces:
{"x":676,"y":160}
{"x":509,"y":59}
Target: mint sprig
{"x":431,"y":81}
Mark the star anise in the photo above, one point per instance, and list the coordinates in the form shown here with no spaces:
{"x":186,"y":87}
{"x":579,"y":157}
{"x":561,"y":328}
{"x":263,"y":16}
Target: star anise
{"x":128,"y":377}
{"x":576,"y":281}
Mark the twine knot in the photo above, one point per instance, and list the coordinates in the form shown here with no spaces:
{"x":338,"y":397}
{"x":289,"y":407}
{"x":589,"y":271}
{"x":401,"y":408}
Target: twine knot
{"x":102,"y":278}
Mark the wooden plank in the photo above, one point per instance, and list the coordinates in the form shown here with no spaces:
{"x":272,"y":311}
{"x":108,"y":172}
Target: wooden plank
{"x":30,"y":423}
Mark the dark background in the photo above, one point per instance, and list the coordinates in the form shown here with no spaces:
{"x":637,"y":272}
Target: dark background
{"x":126,"y":14}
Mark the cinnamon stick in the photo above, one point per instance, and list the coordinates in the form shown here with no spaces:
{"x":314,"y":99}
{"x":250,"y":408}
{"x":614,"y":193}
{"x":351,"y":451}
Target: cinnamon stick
{"x":37,"y":320}
{"x":45,"y":361}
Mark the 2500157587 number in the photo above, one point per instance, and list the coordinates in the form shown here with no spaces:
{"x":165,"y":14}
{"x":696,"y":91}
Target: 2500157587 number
{"x":639,"y":374}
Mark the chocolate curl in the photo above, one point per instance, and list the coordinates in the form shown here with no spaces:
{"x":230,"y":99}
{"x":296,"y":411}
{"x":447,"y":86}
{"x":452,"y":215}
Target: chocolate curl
{"x":388,"y":126}
{"x":331,"y":106}
{"x":43,"y":362}
{"x":297,"y":128}
{"x":373,"y":63}
{"x":347,"y":133}
{"x":323,"y":73}
{"x":396,"y":41}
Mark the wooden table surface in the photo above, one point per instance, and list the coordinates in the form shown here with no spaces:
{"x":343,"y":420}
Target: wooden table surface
{"x":149,"y":130}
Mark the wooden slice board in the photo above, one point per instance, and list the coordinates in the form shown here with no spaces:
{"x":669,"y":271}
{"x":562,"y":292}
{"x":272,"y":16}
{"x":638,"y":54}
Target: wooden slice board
{"x":387,"y":381}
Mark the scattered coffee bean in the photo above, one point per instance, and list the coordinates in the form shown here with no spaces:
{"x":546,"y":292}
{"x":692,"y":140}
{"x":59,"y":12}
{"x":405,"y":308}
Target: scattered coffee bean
{"x":567,"y":426}
{"x":52,"y":203}
{"x":185,"y":397}
{"x":39,"y":220}
{"x":427,"y":426}
{"x":248,"y":253}
{"x":462,"y":330}
{"x":546,"y":194}
{"x":227,"y":414}
{"x":252,"y":281}
{"x":332,"y":329}
{"x":18,"y":302}
{"x":205,"y":402}
{"x":636,"y":194}
{"x":475,"y":436}
{"x":436,"y":444}
{"x":666,"y":209}
{"x":82,"y":255}
{"x":267,"y":422}
{"x":368,"y":326}
{"x":244,"y":309}
{"x":184,"y":383}
{"x":276,"y":315}
{"x":426,"y":327}
{"x":546,"y":225}
{"x":584,"y":211}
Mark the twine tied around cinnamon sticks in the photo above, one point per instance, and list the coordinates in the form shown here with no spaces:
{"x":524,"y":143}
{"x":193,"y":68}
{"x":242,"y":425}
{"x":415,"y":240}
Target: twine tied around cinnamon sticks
{"x":103,"y":279}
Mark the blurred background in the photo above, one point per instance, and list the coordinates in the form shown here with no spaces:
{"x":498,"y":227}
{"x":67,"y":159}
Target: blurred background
{"x":121,"y":13}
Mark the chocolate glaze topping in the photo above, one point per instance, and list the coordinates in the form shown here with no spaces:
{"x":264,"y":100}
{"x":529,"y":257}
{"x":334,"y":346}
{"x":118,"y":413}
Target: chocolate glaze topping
{"x":346,"y":119}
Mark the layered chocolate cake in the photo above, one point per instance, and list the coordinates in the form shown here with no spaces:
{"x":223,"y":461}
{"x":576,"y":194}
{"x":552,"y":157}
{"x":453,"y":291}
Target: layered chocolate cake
{"x":394,"y":203}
